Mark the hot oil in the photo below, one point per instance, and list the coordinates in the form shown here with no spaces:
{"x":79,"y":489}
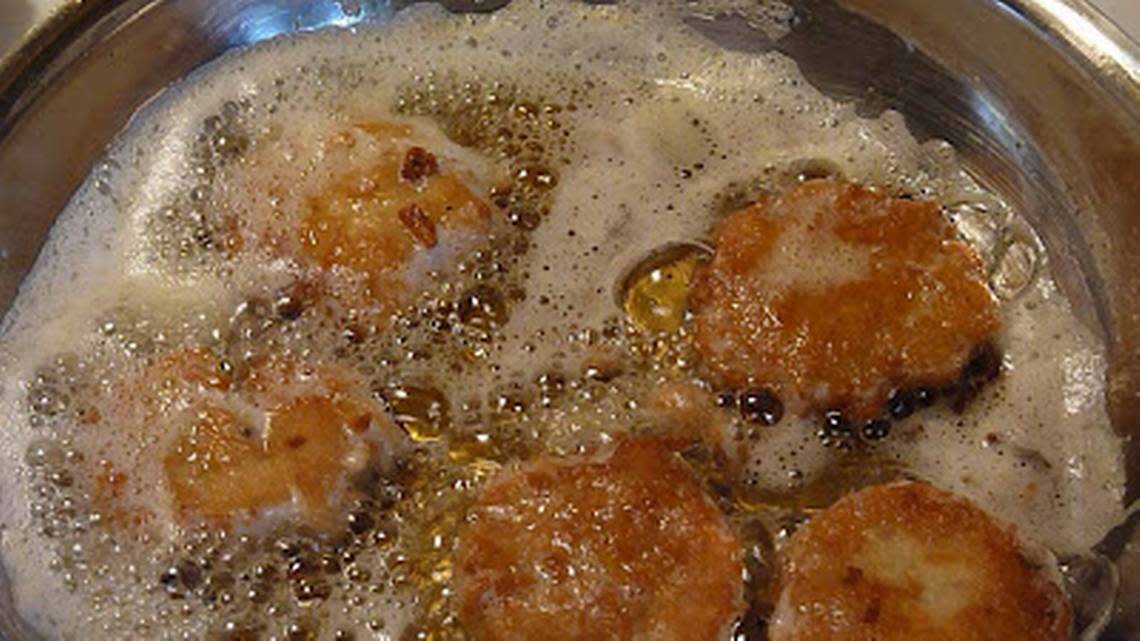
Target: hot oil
{"x":655,"y":294}
{"x":605,"y":154}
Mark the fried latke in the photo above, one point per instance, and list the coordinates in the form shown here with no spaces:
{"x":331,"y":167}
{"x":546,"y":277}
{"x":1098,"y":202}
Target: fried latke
{"x":625,"y":546}
{"x":227,"y":448}
{"x":833,"y":295}
{"x":369,"y":209}
{"x":906,"y":561}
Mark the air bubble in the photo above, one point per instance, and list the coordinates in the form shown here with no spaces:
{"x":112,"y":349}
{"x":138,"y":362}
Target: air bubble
{"x":978,"y":224}
{"x":655,"y":292}
{"x":1014,"y":270}
{"x":43,"y":453}
{"x":761,"y":406}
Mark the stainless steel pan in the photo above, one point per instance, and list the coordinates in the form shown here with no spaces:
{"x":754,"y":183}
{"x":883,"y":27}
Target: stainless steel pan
{"x":1041,"y":97}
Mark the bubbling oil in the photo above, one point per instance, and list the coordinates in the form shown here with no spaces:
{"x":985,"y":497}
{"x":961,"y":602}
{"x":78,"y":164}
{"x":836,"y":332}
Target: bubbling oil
{"x":606,"y":140}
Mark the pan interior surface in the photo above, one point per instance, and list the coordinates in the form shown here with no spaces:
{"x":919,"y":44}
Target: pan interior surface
{"x":1041,"y":104}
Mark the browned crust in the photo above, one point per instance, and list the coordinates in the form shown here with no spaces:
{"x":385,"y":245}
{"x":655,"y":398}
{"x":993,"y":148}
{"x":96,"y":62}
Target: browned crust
{"x":912,"y":320}
{"x":624,"y":547}
{"x":907,"y":561}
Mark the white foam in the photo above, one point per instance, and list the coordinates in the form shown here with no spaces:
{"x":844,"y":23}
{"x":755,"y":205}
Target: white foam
{"x":665,"y":123}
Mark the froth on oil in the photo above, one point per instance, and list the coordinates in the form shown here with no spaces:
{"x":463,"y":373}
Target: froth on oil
{"x":468,"y":243}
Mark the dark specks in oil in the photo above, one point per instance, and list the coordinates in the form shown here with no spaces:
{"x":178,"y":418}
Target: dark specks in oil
{"x":526,"y":132}
{"x":761,"y":406}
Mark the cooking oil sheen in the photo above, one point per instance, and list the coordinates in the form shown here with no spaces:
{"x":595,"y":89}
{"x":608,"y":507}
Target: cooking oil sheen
{"x":606,"y":140}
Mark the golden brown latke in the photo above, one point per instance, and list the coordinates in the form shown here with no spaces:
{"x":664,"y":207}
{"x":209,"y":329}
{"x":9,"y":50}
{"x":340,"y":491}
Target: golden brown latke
{"x":231,"y":447}
{"x":364,"y":207}
{"x":832,"y":295}
{"x":907,"y":561}
{"x":625,"y":546}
